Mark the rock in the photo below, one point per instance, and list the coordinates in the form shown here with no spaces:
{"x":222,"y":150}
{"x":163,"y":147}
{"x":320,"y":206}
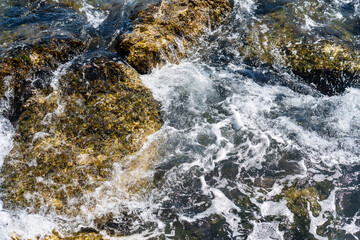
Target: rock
{"x":164,"y":32}
{"x":78,"y":236}
{"x":300,"y":199}
{"x":25,"y":69}
{"x":329,"y":66}
{"x":67,"y":140}
{"x":329,"y":63}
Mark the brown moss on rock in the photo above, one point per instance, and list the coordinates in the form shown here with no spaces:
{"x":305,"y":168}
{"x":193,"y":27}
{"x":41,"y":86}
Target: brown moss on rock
{"x":165,"y":31}
{"x":25,"y":69}
{"x":67,"y":141}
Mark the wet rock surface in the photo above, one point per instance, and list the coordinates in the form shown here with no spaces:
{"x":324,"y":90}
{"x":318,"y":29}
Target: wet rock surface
{"x":29,"y":68}
{"x":96,"y":113}
{"x":328,"y":60}
{"x":78,"y":236}
{"x":67,"y":140}
{"x":164,"y":32}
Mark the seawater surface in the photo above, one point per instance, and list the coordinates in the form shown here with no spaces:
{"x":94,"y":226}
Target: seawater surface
{"x":239,"y":142}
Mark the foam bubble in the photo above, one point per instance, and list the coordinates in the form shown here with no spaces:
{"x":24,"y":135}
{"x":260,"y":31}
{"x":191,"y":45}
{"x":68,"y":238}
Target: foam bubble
{"x":6,"y":134}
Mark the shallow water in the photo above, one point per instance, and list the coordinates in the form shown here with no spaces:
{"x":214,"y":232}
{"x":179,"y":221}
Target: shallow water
{"x":235,"y":138}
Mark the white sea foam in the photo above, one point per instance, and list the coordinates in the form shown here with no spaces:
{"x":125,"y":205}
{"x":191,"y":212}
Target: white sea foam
{"x":319,"y":128}
{"x":266,"y":231}
{"x":94,"y":16}
{"x":6,"y":134}
{"x":26,"y":225}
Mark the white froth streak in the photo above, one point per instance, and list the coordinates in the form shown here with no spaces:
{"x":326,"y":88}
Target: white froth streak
{"x":6,"y":135}
{"x":270,"y":208}
{"x":265,"y":231}
{"x":24,"y":224}
{"x":94,"y":16}
{"x":327,"y":206}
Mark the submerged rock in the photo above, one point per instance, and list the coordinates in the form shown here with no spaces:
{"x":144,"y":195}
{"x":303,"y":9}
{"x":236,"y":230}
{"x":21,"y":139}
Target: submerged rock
{"x":25,"y":69}
{"x":67,"y":141}
{"x":303,"y":201}
{"x":165,"y":31}
{"x":329,"y":62}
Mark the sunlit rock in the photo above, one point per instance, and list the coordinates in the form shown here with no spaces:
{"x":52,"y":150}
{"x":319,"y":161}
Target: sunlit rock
{"x":78,"y":236}
{"x":165,"y":31}
{"x":67,"y":140}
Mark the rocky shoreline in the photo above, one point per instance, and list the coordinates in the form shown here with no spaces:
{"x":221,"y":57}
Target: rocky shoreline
{"x":70,"y":132}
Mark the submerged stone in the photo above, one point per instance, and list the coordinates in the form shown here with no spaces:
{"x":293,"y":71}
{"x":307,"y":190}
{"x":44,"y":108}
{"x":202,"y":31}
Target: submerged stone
{"x":303,"y":201}
{"x":164,"y":32}
{"x":67,"y":140}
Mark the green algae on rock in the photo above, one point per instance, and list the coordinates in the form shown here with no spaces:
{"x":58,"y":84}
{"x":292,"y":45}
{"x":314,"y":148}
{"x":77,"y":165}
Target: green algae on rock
{"x":67,"y":140}
{"x":165,"y":31}
{"x":25,"y":69}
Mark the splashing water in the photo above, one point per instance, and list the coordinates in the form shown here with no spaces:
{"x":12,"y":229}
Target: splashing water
{"x":235,"y":142}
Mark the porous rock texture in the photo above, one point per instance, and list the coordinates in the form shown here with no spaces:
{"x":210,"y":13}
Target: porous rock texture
{"x":67,"y":140}
{"x":164,"y":32}
{"x":277,"y":39}
{"x":24,"y":69}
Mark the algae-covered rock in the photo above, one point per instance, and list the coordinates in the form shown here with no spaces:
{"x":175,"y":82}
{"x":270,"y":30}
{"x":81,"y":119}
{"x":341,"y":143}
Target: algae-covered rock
{"x":300,"y":199}
{"x":28,"y":68}
{"x":55,"y":236}
{"x":164,"y":31}
{"x":330,"y":66}
{"x":89,"y":236}
{"x":330,"y":63}
{"x":66,"y":141}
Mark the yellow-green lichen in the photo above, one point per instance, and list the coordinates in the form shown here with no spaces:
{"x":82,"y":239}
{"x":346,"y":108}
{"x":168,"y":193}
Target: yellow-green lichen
{"x":56,"y":236}
{"x":163,"y":32}
{"x":303,"y":201}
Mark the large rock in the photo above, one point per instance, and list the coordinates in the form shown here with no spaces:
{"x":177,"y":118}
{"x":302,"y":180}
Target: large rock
{"x":330,"y":63}
{"x":165,"y":31}
{"x":67,"y":140}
